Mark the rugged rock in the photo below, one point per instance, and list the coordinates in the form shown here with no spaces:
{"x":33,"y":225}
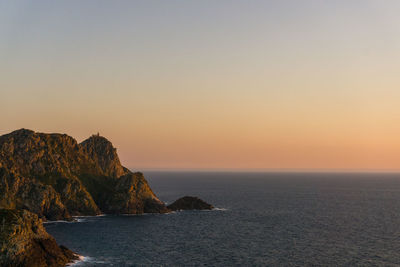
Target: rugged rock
{"x":132,"y":195}
{"x":105,"y":155}
{"x":190,"y":203}
{"x":25,"y":242}
{"x":55,"y":177}
{"x":50,"y":159}
{"x":17,"y":192}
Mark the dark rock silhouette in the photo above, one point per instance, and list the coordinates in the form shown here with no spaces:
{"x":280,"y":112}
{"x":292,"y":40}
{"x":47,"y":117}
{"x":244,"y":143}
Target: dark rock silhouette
{"x":190,"y":203}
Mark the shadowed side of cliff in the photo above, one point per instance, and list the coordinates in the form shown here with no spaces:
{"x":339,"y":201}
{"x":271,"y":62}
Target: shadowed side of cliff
{"x":25,"y":242}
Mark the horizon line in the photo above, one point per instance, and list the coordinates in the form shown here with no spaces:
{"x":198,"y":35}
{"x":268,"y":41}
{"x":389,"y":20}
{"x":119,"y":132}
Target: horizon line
{"x":267,"y":170}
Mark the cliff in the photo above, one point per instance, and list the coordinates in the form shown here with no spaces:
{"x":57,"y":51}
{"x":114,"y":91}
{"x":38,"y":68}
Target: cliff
{"x":55,"y":177}
{"x":17,"y":192}
{"x":25,"y":242}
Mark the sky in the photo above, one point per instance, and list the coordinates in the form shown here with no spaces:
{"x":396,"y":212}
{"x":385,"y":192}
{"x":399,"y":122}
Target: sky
{"x":282,"y":85}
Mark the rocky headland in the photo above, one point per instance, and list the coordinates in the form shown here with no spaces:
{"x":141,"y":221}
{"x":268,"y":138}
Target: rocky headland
{"x":53,"y":177}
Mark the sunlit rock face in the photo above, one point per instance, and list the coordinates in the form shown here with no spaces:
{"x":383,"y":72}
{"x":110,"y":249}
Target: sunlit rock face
{"x":56,"y":178}
{"x":19,"y":192}
{"x":124,"y":198}
{"x":104,"y":155}
{"x":25,"y":242}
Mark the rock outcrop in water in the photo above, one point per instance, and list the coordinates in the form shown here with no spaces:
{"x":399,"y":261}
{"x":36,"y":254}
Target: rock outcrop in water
{"x":25,"y":242}
{"x":190,"y":203}
{"x":56,"y":178}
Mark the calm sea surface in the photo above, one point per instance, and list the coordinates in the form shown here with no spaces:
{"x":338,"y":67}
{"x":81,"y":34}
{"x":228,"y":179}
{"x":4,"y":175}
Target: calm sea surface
{"x":285,"y":219}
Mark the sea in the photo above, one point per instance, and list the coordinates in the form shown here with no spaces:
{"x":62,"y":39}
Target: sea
{"x":260,"y":219}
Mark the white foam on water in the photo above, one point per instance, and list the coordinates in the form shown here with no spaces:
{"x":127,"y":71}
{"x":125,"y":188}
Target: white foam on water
{"x":214,"y":209}
{"x":80,"y":260}
{"x":128,"y":214}
{"x":88,"y":216}
{"x":60,"y":221}
{"x":205,"y":210}
{"x":219,"y":209}
{"x":83,"y":259}
{"x":148,"y":214}
{"x":55,"y":221}
{"x":76,"y":220}
{"x":169,"y":213}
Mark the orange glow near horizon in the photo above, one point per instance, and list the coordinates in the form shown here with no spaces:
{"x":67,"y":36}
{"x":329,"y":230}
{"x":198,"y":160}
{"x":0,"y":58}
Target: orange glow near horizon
{"x":314,"y":87}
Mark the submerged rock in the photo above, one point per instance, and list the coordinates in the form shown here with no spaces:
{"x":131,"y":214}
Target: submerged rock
{"x":190,"y":203}
{"x":25,"y":242}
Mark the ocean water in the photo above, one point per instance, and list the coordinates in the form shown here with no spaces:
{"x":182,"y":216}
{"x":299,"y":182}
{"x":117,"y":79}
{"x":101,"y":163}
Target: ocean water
{"x":279,"y":219}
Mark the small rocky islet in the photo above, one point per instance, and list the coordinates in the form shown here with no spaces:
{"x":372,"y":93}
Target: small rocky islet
{"x":53,"y":177}
{"x":189,"y":203}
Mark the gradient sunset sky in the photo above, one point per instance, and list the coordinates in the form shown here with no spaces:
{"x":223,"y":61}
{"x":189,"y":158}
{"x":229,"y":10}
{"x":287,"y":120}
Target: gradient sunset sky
{"x":209,"y":84}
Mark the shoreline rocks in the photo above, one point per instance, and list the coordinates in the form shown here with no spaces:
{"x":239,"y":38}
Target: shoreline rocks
{"x":25,"y":242}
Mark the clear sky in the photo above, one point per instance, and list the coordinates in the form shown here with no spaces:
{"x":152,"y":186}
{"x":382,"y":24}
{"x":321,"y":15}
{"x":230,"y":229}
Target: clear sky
{"x":209,"y":84}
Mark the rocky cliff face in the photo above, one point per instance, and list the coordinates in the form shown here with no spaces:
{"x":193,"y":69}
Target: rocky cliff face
{"x":53,"y":160}
{"x":55,"y":177}
{"x":17,"y":192}
{"x":52,"y":177}
{"x":104,"y":155}
{"x":25,"y":242}
{"x":132,"y":195}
